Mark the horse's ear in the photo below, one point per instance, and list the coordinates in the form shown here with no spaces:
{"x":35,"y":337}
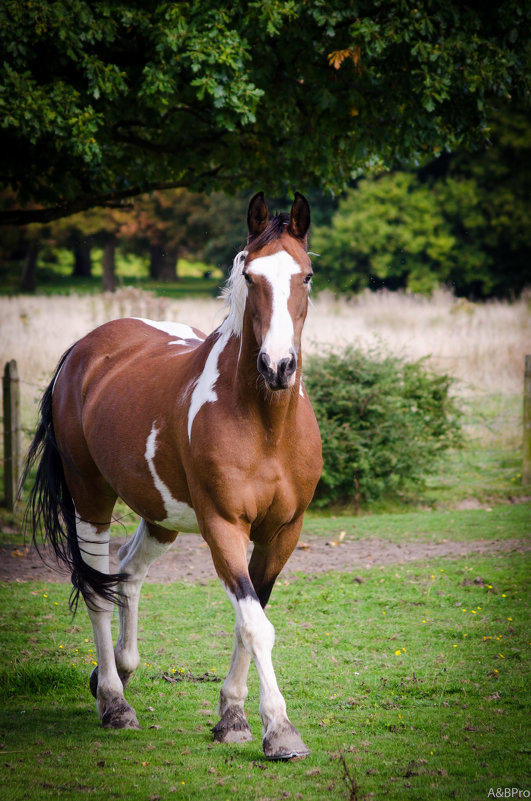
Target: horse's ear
{"x":299,"y":218}
{"x":257,"y":215}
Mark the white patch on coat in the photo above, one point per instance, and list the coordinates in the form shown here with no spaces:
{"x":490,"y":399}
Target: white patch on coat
{"x":204,"y":389}
{"x":179,"y":516}
{"x":181,"y":330}
{"x":57,"y":376}
{"x":277,"y":269}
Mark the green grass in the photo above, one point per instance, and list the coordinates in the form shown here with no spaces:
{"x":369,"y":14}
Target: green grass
{"x":493,"y":523}
{"x":416,"y":677}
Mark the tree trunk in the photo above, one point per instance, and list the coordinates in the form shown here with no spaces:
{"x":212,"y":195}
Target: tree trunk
{"x":155,"y":260}
{"x":109,"y":266}
{"x":163,"y":263}
{"x":82,"y":260}
{"x":29,"y":269}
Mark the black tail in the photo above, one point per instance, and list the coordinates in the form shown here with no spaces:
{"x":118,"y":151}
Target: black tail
{"x":50,"y":513}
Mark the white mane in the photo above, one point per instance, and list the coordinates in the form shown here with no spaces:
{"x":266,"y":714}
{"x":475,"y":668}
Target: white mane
{"x":234,"y":293}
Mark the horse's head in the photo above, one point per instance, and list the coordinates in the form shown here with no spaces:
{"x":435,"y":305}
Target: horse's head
{"x":278,"y":272}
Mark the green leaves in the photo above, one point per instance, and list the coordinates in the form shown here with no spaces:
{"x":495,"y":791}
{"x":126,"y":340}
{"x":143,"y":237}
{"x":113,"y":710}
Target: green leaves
{"x":467,"y":226}
{"x":383,"y":423}
{"x":240,"y":96}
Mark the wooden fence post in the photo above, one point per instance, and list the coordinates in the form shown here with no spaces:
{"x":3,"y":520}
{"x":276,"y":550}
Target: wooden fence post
{"x":526,"y":467}
{"x":12,"y":444}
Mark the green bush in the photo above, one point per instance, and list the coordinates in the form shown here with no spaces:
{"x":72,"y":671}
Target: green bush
{"x":383,"y":423}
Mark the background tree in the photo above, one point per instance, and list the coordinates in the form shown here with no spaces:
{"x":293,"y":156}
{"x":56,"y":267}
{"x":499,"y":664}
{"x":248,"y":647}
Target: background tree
{"x":84,"y":231}
{"x":166,"y":225}
{"x":101,"y":101}
{"x":462,"y":220}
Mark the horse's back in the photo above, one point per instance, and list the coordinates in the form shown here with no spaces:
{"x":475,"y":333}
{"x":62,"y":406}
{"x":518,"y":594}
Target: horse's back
{"x":118,"y":389}
{"x":128,"y":347}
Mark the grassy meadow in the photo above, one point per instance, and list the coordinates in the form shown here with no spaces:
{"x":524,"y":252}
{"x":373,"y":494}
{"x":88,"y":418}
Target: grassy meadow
{"x":407,"y":680}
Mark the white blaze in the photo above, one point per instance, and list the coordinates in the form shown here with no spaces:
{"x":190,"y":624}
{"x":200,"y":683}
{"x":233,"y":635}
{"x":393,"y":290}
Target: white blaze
{"x":277,"y":269}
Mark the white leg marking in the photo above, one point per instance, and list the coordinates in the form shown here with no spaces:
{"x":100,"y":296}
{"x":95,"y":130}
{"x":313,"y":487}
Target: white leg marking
{"x":278,"y":269}
{"x":94,"y":549}
{"x":234,"y":690}
{"x":204,"y":391}
{"x":258,"y":636}
{"x":135,"y":558}
{"x":94,"y":546}
{"x":179,"y":516}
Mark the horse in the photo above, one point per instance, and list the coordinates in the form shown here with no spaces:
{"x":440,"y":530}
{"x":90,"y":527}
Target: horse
{"x":213,"y":435}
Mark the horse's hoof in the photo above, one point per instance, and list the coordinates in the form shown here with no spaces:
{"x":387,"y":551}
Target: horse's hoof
{"x":284,"y":742}
{"x":119,"y":715}
{"x":93,"y":682}
{"x":232,"y":728}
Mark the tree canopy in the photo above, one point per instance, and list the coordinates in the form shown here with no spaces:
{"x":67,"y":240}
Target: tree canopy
{"x":462,"y":220}
{"x":101,"y":100}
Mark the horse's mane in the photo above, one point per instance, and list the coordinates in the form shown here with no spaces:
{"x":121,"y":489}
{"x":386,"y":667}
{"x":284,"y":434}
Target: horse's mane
{"x":273,"y":231}
{"x":234,"y":293}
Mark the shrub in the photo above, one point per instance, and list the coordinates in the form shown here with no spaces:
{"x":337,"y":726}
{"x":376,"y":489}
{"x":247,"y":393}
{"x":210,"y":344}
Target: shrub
{"x":383,"y":423}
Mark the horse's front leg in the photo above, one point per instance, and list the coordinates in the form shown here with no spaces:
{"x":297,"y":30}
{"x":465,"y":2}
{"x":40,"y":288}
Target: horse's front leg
{"x":233,"y":726}
{"x":254,"y":639}
{"x":281,"y":740}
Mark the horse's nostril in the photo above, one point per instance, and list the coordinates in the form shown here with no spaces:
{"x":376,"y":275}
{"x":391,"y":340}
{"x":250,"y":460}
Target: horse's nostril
{"x":286,"y":367}
{"x":264,"y":363}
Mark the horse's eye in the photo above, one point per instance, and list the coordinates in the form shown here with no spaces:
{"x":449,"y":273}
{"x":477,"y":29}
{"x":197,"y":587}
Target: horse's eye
{"x":247,"y":278}
{"x":308,"y":278}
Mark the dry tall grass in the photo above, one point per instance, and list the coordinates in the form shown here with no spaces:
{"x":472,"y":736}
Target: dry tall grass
{"x":482,"y":345}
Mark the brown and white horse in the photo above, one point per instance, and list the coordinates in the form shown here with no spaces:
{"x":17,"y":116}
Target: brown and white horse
{"x":208,"y":434}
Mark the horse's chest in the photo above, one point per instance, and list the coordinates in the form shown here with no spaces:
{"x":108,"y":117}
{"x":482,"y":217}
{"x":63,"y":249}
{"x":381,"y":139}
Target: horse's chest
{"x":267,"y":491}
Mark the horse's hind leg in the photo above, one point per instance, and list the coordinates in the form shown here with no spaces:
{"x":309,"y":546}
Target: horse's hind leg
{"x":105,"y":683}
{"x":148,"y":543}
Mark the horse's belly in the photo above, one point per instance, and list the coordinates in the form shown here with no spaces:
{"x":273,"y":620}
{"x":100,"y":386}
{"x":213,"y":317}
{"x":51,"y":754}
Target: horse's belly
{"x":171,"y":514}
{"x":180,"y":517}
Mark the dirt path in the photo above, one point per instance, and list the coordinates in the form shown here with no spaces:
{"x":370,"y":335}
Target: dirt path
{"x":189,"y":558}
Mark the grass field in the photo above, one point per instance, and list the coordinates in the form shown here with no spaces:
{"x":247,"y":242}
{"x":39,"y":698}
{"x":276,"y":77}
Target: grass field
{"x":405,"y":681}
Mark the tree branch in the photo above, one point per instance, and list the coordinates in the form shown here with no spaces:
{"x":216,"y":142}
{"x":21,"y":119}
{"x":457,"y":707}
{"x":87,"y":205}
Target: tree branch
{"x":109,"y":199}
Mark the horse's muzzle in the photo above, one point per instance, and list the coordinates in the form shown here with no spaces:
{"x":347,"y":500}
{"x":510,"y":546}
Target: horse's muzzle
{"x":279,"y":378}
